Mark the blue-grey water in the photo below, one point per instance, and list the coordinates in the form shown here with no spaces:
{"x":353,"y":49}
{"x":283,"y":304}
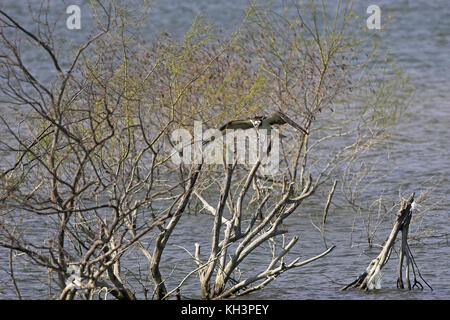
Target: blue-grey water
{"x":418,"y":37}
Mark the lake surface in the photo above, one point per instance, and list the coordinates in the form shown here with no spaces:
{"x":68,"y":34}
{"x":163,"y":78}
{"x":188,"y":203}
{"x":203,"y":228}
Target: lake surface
{"x":418,"y":37}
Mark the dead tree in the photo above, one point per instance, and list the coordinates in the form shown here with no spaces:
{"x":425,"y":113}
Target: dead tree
{"x":371,"y":277}
{"x":217,"y":271}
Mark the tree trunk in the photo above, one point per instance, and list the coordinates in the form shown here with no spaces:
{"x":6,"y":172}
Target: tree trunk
{"x":370,"y":278}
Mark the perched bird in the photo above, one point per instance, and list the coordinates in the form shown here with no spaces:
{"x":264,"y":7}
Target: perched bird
{"x":262,"y":122}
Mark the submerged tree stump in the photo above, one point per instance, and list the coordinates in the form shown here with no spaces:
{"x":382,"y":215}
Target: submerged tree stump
{"x":371,"y":277}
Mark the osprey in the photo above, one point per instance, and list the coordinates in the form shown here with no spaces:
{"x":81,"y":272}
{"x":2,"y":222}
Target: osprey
{"x":262,"y":122}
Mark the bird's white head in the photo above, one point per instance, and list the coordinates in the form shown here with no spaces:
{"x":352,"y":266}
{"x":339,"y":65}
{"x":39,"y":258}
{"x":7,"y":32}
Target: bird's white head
{"x":256,"y":123}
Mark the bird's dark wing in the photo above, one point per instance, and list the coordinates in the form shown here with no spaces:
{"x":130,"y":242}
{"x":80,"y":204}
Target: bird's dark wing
{"x":276,"y":118}
{"x":237,"y":124}
{"x":280,"y":118}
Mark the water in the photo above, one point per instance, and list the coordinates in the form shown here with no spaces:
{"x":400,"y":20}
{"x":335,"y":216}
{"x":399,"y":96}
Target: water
{"x":418,"y":36}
